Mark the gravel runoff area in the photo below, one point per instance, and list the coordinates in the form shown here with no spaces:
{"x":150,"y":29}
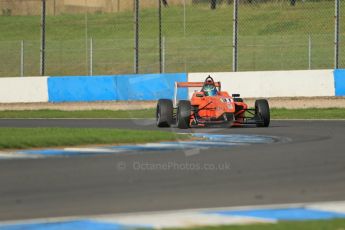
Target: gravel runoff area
{"x":289,"y":103}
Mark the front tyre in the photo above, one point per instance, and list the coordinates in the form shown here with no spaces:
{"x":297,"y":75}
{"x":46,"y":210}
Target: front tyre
{"x":262,"y":112}
{"x":183,"y":114}
{"x":164,"y":113}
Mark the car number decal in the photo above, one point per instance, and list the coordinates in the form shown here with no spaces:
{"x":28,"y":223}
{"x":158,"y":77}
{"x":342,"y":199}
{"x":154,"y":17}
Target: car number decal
{"x":226,"y":100}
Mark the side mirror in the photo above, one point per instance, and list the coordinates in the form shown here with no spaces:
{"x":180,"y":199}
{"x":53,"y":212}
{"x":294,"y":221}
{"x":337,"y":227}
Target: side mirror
{"x":236,"y":95}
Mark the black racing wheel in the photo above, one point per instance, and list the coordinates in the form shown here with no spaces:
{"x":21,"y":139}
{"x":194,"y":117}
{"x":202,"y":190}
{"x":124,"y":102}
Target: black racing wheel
{"x":262,"y":112}
{"x":164,"y":113}
{"x":183,"y":114}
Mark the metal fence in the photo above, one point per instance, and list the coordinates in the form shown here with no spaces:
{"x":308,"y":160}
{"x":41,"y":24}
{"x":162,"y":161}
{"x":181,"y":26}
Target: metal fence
{"x":99,"y":37}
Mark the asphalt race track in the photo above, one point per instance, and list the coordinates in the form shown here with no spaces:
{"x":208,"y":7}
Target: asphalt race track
{"x":306,"y":165}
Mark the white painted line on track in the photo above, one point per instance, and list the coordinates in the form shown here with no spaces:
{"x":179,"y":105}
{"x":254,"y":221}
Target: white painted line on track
{"x":15,"y":155}
{"x":207,"y":141}
{"x":93,"y":150}
{"x":198,"y":217}
{"x":329,"y":207}
{"x":181,"y":219}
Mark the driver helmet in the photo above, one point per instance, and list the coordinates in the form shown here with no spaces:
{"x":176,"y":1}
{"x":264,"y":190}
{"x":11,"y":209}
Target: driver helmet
{"x":210,"y":90}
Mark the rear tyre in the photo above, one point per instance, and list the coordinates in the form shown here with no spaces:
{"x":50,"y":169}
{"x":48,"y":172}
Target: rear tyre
{"x":164,"y":113}
{"x":183,"y":114}
{"x":262,"y":112}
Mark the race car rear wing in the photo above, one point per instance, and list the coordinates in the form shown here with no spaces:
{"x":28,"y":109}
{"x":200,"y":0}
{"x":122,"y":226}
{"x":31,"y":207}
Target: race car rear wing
{"x":193,"y":84}
{"x":190,"y":85}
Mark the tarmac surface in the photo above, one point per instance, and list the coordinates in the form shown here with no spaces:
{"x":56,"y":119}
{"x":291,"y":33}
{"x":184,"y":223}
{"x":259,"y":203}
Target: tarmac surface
{"x":306,"y":164}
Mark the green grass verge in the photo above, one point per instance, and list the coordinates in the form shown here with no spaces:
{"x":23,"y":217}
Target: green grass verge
{"x":336,"y":224}
{"x":20,"y":138}
{"x":331,"y":113}
{"x":144,"y":113}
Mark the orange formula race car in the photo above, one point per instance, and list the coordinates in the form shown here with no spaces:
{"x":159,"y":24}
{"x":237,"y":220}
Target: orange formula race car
{"x":210,"y":107}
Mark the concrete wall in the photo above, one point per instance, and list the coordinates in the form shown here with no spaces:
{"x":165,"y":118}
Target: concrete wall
{"x":313,"y":83}
{"x":302,"y":83}
{"x":28,"y":89}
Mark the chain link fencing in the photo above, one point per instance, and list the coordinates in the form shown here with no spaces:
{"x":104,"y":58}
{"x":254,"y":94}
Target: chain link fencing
{"x":196,"y":38}
{"x":286,"y":35}
{"x":98,"y":37}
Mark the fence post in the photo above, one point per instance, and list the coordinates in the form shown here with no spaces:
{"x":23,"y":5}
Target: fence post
{"x":91,"y":56}
{"x":43,"y":37}
{"x":234,"y":37}
{"x":87,"y":52}
{"x":184,"y":35}
{"x":54,"y":8}
{"x":184,"y":18}
{"x":336,"y":37}
{"x":136,"y":36}
{"x":160,"y":35}
{"x":22,"y":58}
{"x":309,"y":52}
{"x":163,"y":54}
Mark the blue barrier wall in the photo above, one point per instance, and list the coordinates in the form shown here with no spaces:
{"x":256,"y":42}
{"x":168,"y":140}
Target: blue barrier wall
{"x":110,"y":88}
{"x":68,"y":89}
{"x":339,"y":82}
{"x":149,"y":86}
